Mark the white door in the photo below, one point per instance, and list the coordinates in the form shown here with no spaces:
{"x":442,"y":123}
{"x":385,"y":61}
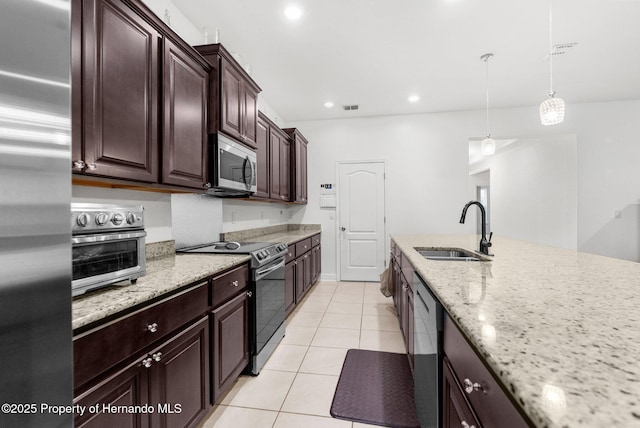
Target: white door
{"x":361,"y":222}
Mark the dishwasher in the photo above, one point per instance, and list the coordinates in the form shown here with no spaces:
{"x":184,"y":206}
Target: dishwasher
{"x":428,"y":314}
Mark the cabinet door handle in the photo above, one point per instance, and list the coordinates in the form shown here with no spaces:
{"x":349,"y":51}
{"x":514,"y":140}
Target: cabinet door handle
{"x":464,"y":424}
{"x":79,"y":164}
{"x":91,"y":166}
{"x":147,"y":362}
{"x":469,"y":386}
{"x":152,"y":327}
{"x":157,"y":356}
{"x":249,"y":293}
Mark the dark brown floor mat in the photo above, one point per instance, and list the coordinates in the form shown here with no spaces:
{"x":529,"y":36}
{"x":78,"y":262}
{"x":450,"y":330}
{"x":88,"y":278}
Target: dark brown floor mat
{"x":375,"y":388}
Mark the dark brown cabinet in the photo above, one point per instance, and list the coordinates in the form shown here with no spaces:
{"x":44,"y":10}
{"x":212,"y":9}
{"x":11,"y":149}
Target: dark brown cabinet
{"x":125,"y":387}
{"x":233,"y":99}
{"x":456,"y":411}
{"x":116,"y":80}
{"x":274,"y":161}
{"x":184,"y":136}
{"x":230,"y":329}
{"x":230,"y":342}
{"x":177,"y":355}
{"x":298,"y":166}
{"x":171,"y":381}
{"x":302,"y":270}
{"x":485,"y":397}
{"x":402,"y":278}
{"x":139,"y":94}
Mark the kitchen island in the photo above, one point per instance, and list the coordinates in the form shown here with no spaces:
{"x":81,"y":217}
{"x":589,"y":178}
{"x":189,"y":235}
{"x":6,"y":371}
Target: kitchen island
{"x":559,"y":329}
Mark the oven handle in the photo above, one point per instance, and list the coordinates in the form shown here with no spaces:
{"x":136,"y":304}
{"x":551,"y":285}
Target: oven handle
{"x":266,"y":271}
{"x":106,"y":237}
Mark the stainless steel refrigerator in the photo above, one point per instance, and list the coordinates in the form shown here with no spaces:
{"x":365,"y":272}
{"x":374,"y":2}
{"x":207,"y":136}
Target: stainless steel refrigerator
{"x":35,"y":230}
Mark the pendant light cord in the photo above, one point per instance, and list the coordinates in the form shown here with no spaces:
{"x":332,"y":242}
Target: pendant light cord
{"x":550,"y":50}
{"x":486,"y":60}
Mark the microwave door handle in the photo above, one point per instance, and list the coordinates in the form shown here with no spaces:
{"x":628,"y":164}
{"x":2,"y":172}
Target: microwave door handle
{"x":253,"y":173}
{"x":247,"y":183}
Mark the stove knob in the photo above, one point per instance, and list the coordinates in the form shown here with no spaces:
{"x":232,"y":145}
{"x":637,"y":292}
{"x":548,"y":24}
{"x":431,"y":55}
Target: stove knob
{"x":131,"y":218}
{"x":260,"y":256}
{"x":101,"y":219}
{"x":83,"y":220}
{"x":117,"y":219}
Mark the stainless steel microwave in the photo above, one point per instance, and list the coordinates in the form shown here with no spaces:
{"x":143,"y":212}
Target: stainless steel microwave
{"x":232,"y":167}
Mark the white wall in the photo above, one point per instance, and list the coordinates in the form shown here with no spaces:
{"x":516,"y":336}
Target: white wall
{"x":533,"y":191}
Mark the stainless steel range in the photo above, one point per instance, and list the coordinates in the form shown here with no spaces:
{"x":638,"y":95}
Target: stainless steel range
{"x":266,"y":291}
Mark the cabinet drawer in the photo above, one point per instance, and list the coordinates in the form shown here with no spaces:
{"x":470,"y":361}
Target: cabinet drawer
{"x":303,"y":246}
{"x":315,"y":240}
{"x":226,"y":286}
{"x":490,"y":402}
{"x":291,"y":253}
{"x":101,"y":348}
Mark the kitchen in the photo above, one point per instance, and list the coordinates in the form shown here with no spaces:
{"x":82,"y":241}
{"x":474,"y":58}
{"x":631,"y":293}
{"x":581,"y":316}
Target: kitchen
{"x":438,"y":143}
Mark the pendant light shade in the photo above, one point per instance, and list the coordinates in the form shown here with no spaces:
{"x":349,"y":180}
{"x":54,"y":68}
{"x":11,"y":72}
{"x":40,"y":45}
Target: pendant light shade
{"x":488,"y":145}
{"x":551,"y":109}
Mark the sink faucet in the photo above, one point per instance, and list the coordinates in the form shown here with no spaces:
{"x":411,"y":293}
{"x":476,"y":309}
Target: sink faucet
{"x":484,"y":243}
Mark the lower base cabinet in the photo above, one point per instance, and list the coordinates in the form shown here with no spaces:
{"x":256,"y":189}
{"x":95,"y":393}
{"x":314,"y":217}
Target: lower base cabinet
{"x":166,"y":387}
{"x":230,"y":343}
{"x":456,"y":411}
{"x":302,"y":270}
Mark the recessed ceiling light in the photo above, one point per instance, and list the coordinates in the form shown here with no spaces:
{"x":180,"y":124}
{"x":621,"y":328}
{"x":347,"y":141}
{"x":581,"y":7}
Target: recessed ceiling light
{"x":293,"y":12}
{"x":414,"y":98}
{"x":328,"y":104}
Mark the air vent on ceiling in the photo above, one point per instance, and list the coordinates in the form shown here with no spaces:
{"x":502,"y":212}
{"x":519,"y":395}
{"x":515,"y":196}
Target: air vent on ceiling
{"x":561,"y":49}
{"x":351,"y":107}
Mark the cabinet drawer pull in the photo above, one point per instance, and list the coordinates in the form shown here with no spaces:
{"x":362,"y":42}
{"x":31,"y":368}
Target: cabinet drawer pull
{"x":92,"y":166}
{"x":249,"y":293}
{"x":152,"y":327}
{"x":466,"y":425}
{"x":469,"y":386}
{"x":147,"y":362}
{"x":157,"y":356}
{"x":234,"y":283}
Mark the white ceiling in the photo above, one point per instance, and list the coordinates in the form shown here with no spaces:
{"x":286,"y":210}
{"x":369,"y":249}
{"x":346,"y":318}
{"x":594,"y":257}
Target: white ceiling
{"x":376,"y":53}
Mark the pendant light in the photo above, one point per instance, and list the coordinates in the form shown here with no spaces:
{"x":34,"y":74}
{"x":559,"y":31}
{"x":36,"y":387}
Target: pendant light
{"x":488,"y":145}
{"x":552,"y":109}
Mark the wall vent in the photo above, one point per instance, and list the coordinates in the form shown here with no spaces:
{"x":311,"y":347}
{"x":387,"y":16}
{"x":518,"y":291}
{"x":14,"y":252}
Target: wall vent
{"x":351,"y":107}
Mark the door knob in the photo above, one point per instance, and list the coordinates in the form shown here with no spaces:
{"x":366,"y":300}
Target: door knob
{"x":343,"y":229}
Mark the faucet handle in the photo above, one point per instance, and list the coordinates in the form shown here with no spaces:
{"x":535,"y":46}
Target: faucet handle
{"x":489,"y":240}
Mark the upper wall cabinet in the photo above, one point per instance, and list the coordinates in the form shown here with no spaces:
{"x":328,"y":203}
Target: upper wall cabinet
{"x":184,"y":136}
{"x":137,"y":91}
{"x":274,"y":161}
{"x":298,"y":166}
{"x":233,"y":99}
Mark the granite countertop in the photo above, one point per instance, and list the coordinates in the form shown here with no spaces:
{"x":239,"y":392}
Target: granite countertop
{"x":171,"y":272}
{"x":559,"y":328}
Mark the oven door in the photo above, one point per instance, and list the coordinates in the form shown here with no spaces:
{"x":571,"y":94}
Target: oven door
{"x":102,"y":259}
{"x":234,"y":169}
{"x":268,"y":309}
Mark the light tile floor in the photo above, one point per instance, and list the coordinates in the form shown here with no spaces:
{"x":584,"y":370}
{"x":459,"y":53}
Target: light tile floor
{"x":296,"y":386}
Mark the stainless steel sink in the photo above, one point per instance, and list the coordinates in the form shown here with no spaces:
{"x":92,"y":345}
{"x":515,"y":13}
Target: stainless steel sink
{"x":454,"y":254}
